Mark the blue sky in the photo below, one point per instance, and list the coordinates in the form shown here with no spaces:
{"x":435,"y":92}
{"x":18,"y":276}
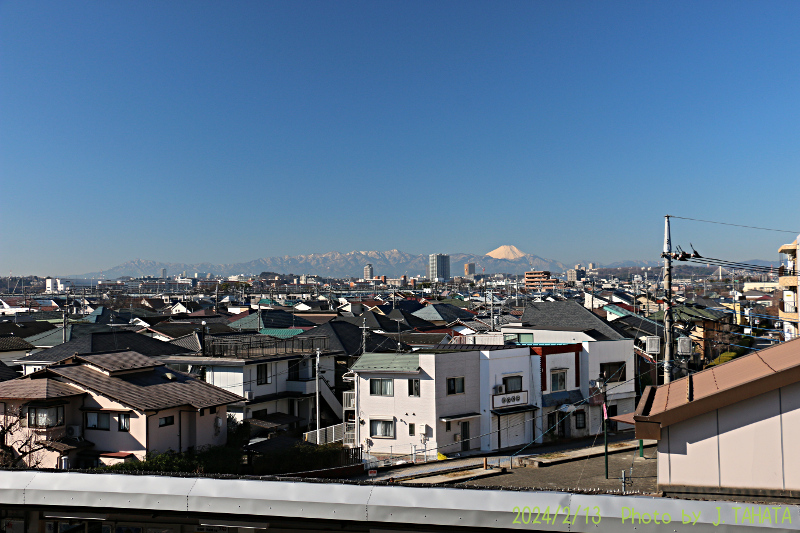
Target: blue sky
{"x":228,"y":131}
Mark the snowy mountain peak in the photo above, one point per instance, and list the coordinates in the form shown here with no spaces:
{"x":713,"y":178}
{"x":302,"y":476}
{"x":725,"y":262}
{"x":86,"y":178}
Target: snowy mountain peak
{"x":507,"y":251}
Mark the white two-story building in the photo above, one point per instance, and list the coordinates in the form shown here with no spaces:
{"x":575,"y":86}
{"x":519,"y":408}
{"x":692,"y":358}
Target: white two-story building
{"x":446,"y":401}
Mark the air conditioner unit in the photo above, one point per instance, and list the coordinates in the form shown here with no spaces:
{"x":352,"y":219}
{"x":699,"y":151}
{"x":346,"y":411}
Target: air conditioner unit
{"x":74,"y":431}
{"x":248,"y":395}
{"x":456,"y":437}
{"x":653,"y":345}
{"x":501,"y":389}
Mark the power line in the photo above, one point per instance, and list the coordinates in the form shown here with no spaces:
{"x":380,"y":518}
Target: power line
{"x":737,"y":225}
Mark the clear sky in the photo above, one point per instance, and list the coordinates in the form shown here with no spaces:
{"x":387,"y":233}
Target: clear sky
{"x":227,"y":131}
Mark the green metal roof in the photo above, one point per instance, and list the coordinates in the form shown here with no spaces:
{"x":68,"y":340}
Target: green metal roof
{"x":616,"y":310}
{"x":387,"y":362}
{"x":281,"y":333}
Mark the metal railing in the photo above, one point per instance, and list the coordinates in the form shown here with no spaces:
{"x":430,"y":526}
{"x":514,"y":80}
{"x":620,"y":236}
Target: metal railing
{"x":349,"y":434}
{"x":349,"y":399}
{"x":325,"y":435}
{"x":253,"y":346}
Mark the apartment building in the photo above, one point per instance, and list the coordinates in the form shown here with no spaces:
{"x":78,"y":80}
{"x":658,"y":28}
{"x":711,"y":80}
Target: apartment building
{"x":540,"y":280}
{"x":275,"y":378}
{"x":788,"y":282}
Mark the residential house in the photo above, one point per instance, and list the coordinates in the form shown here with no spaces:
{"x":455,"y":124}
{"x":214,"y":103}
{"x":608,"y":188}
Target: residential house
{"x":101,"y":409}
{"x":276,"y":378}
{"x":270,"y":318}
{"x":449,"y":401}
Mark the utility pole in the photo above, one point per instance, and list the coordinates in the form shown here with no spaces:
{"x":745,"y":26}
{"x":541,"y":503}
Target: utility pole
{"x":317,"y":383}
{"x":667,"y":255}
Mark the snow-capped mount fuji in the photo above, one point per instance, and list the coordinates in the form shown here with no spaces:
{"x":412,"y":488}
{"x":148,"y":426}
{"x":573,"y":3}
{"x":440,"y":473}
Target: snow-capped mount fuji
{"x":507,"y":251}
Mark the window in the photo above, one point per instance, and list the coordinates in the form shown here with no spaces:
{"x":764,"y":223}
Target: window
{"x":614,"y":372}
{"x":455,"y":386}
{"x":381,"y":428}
{"x":525,"y":337}
{"x":413,"y":387}
{"x":558,"y":380}
{"x":580,"y":419}
{"x":45,"y":417}
{"x":212,"y":410}
{"x":381,"y":387}
{"x":513,"y":383}
{"x":124,"y":420}
{"x":166,"y":421}
{"x":447,"y":426}
{"x":98,"y":421}
{"x":264,"y":374}
{"x":202,"y":412}
{"x":412,"y":428}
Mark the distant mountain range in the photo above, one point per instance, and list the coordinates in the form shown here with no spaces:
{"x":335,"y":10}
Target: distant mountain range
{"x":392,"y":263}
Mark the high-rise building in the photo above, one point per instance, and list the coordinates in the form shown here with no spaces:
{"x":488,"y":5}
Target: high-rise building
{"x":439,"y":267}
{"x":368,"y":272}
{"x":163,"y":273}
{"x":469,"y":269}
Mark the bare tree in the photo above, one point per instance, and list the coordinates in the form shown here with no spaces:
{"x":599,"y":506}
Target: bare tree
{"x":20,"y":445}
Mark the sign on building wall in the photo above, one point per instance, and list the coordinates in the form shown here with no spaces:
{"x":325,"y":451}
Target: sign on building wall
{"x":509,"y":399}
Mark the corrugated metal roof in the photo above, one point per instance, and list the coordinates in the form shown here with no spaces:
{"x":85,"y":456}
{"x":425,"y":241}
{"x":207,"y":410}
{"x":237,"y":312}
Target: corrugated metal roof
{"x":387,"y":362}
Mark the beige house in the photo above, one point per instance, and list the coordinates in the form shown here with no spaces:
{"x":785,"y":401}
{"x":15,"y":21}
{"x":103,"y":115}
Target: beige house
{"x":730,"y":429}
{"x":105,"y":408}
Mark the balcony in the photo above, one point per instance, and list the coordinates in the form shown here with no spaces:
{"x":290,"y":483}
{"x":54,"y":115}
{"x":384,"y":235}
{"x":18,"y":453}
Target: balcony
{"x":788,"y":311}
{"x":303,"y":386}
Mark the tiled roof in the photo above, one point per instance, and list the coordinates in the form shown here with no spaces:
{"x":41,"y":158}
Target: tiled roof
{"x":387,"y":362}
{"x":25,"y":329}
{"x":12,"y":343}
{"x":375,"y":321}
{"x":566,"y":316}
{"x":347,"y":338}
{"x":120,"y":361}
{"x":270,"y":318}
{"x":107,"y":341}
{"x":442,"y":313}
{"x":685,"y":313}
{"x":148,"y":390}
{"x":36,"y":389}
{"x":173,"y":330}
{"x":7,"y":372}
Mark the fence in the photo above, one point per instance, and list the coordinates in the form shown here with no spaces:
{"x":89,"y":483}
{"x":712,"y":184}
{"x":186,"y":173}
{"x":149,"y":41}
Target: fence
{"x":252,"y":346}
{"x":325,"y":435}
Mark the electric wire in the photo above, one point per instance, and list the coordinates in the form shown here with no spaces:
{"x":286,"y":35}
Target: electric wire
{"x":737,"y":225}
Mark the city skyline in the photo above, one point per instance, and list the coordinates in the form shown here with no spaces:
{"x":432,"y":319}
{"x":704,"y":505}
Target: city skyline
{"x":569,"y":129}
